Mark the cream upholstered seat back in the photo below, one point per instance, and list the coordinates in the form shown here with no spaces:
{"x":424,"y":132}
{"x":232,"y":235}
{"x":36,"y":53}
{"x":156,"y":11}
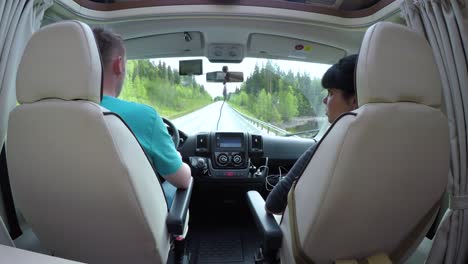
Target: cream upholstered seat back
{"x":380,"y":169}
{"x":77,"y":173}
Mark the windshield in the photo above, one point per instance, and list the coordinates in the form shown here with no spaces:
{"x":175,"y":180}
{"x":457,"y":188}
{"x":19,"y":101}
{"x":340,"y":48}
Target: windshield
{"x":276,"y":97}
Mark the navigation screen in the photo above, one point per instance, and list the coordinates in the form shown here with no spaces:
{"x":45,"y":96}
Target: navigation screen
{"x":230,"y":142}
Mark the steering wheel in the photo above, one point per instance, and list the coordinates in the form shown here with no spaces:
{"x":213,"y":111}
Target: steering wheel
{"x":173,"y":131}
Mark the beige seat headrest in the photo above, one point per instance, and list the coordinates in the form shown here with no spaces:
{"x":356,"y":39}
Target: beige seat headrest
{"x":60,"y":61}
{"x":396,"y":65}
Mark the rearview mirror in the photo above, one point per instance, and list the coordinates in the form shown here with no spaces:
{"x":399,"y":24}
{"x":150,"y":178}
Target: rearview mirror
{"x":219,"y":76}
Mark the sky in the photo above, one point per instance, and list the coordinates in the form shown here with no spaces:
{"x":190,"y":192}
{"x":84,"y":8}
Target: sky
{"x":247,"y":67}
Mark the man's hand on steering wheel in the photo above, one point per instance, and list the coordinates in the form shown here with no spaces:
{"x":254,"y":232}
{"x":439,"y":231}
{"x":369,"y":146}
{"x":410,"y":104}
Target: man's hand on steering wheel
{"x":173,"y":131}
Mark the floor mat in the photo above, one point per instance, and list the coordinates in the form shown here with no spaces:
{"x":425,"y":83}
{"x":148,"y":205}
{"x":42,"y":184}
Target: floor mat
{"x":220,"y":247}
{"x":222,"y":233}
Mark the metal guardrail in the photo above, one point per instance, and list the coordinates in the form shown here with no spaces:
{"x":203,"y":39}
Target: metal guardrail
{"x":306,"y":132}
{"x":274,"y":129}
{"x":264,"y":125}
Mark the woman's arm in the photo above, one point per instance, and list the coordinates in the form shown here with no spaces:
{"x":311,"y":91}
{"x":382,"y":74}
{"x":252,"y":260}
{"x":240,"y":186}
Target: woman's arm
{"x":277,"y":200}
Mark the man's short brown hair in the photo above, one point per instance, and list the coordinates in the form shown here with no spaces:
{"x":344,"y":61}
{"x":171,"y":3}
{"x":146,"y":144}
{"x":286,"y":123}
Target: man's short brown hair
{"x":108,"y":44}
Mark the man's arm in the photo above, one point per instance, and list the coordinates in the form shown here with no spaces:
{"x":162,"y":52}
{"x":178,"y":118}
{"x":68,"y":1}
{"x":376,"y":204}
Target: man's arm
{"x":277,"y":200}
{"x":166,"y":159}
{"x":180,"y":178}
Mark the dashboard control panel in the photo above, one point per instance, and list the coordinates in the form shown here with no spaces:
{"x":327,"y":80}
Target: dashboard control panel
{"x":226,"y":154}
{"x":230,"y":150}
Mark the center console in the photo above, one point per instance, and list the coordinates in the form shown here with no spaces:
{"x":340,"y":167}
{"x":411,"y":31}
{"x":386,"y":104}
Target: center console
{"x":226,"y":154}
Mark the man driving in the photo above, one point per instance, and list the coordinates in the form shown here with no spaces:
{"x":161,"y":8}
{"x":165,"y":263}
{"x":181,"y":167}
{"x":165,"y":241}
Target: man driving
{"x":143,"y":120}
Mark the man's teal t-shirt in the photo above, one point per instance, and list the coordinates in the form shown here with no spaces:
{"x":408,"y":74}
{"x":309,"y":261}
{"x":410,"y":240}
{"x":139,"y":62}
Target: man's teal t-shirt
{"x":150,"y":131}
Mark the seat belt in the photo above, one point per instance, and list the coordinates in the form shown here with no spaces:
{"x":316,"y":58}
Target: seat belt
{"x":10,"y":210}
{"x":301,"y":258}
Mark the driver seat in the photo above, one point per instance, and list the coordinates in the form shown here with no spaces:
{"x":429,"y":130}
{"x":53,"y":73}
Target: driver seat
{"x":78,"y":174}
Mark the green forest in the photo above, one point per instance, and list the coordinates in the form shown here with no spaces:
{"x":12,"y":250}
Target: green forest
{"x":162,"y":88}
{"x":275,"y":96}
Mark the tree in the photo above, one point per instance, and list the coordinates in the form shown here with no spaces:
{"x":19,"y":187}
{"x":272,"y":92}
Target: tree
{"x":288,"y":105}
{"x":160,"y":86}
{"x":275,"y":95}
{"x":176,"y":76}
{"x":169,"y":74}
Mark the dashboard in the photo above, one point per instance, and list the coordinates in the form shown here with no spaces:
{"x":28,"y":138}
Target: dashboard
{"x":241,"y":156}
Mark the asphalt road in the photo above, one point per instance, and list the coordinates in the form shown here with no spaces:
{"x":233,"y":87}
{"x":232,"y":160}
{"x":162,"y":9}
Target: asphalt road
{"x":206,"y":119}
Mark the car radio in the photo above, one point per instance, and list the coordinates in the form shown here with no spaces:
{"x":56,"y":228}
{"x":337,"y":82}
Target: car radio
{"x":230,"y":150}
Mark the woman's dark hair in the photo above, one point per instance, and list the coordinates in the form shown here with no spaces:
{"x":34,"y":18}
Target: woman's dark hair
{"x":341,"y":76}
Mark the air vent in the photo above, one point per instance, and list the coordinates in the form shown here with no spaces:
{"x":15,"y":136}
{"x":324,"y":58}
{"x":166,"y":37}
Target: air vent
{"x":257,"y":144}
{"x":202,"y":143}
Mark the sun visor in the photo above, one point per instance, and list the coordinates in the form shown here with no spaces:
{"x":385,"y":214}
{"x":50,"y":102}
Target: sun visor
{"x":181,"y":44}
{"x":277,"y":47}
